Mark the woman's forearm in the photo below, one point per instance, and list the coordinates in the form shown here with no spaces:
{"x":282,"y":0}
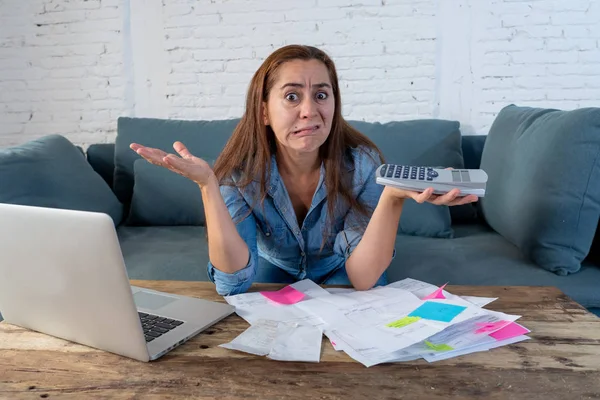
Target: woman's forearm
{"x":226,"y":249}
{"x":373,"y":254}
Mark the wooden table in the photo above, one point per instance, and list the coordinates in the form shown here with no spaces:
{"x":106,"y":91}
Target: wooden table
{"x":562,"y":361}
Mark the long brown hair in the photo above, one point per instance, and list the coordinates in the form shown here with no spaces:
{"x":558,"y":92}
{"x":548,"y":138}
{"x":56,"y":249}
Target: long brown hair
{"x":252,"y":144}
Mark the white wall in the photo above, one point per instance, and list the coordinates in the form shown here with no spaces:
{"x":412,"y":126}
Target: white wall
{"x":72,"y":67}
{"x":61,"y":69}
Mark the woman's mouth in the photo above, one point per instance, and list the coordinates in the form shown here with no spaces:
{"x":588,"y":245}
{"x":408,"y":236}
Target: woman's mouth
{"x":306,"y":131}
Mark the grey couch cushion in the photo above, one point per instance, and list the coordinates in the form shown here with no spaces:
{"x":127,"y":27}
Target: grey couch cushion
{"x":101,"y":157}
{"x":163,"y":198}
{"x":543,"y":193}
{"x":52,"y":172}
{"x":165,"y":253}
{"x":476,"y":256}
{"x":479,"y":256}
{"x":426,"y":142}
{"x":205,"y":139}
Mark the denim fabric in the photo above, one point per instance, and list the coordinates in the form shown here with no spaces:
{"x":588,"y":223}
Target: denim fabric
{"x":269,"y":273}
{"x":272,"y":233}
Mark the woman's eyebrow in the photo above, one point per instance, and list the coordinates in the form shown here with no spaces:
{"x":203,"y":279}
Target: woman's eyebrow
{"x":301,"y":85}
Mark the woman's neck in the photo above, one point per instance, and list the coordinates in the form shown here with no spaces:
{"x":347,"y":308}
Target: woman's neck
{"x":297,"y":165}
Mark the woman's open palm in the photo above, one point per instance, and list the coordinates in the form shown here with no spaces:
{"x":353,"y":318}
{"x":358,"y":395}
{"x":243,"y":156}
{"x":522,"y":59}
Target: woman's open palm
{"x":188,"y":165}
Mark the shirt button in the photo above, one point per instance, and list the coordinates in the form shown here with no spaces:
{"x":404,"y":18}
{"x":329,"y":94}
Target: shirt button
{"x":297,"y":232}
{"x":302,"y":254}
{"x":268,"y":234}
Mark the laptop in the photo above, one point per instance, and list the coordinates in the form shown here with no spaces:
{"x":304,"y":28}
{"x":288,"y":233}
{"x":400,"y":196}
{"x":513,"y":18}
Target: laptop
{"x":62,"y":273}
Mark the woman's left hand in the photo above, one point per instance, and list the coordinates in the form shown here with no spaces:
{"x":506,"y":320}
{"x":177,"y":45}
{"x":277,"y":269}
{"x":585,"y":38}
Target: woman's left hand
{"x":449,"y":199}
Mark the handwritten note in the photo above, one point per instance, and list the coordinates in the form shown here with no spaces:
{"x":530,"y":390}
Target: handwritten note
{"x":401,"y":323}
{"x":438,"y":347}
{"x":437,"y":311}
{"x":437,"y":294}
{"x":509,"y":331}
{"x":287,"y":295}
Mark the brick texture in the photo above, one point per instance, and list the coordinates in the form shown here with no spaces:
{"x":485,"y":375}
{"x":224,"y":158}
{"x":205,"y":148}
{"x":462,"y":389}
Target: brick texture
{"x":69,"y":67}
{"x":61,"y":69}
{"x":543,"y":53}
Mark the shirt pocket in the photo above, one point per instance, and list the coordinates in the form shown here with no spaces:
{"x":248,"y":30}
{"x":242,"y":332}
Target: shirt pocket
{"x":272,"y":237}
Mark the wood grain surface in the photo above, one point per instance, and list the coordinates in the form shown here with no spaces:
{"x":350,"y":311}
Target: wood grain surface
{"x":561,"y":361}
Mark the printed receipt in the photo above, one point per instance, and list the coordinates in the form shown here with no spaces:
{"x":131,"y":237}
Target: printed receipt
{"x":280,"y":341}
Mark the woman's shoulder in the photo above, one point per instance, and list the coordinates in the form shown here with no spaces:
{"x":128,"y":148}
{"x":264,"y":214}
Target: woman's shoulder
{"x":363,"y":157}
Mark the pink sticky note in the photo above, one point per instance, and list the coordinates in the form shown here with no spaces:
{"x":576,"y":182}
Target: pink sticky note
{"x":287,"y":295}
{"x":438,"y":294}
{"x":490,"y":327}
{"x":509,"y":331}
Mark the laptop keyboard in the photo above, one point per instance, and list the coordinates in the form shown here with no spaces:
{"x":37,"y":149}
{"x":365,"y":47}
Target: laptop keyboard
{"x":155,"y":326}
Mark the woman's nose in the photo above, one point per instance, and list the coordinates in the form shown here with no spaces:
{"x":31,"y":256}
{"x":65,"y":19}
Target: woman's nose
{"x":308,"y":108}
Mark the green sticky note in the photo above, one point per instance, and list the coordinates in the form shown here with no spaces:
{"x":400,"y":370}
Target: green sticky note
{"x":401,"y":323}
{"x":438,"y":347}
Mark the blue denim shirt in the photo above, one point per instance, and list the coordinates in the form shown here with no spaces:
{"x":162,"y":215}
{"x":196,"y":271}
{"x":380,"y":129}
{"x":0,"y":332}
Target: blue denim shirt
{"x":271,"y":230}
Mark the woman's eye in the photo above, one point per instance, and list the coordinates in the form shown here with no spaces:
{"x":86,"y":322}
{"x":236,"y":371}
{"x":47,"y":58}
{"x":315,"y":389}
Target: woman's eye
{"x":291,"y":97}
{"x":321,"y":96}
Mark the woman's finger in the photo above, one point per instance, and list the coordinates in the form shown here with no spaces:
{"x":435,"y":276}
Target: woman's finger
{"x":176,"y":164}
{"x":152,"y":155}
{"x":135,"y":146}
{"x":447,"y":198}
{"x":464,"y":200}
{"x":182,"y":150}
{"x":151,"y":159}
{"x":423,"y":196}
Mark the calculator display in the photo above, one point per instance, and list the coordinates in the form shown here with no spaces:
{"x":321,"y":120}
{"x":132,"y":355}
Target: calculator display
{"x":456,"y":176}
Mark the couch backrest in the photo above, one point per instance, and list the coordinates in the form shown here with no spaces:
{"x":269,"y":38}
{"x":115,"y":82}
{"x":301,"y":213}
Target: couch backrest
{"x":424,"y":141}
{"x":102,"y":155}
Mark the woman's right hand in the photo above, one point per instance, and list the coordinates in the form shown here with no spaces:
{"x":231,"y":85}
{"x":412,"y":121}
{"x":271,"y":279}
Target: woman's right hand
{"x":193,"y":168}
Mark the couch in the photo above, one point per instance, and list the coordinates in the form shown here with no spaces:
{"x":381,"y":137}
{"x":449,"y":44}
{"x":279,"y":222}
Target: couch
{"x":530,"y":229}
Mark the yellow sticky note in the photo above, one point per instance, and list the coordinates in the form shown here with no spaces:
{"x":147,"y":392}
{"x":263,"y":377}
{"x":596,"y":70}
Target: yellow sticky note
{"x":403,"y":322}
{"x":438,"y":347}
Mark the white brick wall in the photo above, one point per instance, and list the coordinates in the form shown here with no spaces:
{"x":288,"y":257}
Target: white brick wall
{"x":385,"y":53}
{"x":541,"y":53}
{"x":72,"y":67}
{"x":61,"y":69}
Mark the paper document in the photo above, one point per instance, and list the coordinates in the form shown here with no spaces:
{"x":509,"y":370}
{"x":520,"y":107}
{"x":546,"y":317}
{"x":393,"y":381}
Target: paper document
{"x":297,"y":343}
{"x":402,"y":321}
{"x":424,"y":289}
{"x":279,"y":341}
{"x":473,"y":349}
{"x":255,"y":306}
{"x":479,"y":301}
{"x":257,"y":339}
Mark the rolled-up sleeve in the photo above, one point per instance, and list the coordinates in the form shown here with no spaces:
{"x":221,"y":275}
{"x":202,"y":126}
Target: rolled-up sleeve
{"x":238,"y":282}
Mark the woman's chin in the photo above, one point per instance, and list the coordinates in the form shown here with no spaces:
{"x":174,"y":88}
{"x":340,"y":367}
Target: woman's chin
{"x":305,"y":144}
{"x":308,"y":147}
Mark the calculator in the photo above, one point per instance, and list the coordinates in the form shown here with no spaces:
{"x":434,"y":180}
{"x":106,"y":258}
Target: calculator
{"x":416,"y":178}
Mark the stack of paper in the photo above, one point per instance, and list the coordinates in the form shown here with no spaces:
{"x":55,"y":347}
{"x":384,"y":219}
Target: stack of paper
{"x":402,"y":321}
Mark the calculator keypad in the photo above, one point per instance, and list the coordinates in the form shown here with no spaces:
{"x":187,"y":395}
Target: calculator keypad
{"x":408,"y":172}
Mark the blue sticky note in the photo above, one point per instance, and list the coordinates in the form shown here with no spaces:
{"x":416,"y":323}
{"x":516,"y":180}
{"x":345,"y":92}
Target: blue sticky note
{"x":437,"y":311}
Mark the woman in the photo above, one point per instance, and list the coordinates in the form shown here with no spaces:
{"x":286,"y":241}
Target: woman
{"x":293,"y":193}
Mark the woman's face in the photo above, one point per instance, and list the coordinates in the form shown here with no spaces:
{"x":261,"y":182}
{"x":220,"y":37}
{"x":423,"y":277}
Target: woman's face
{"x":300,"y":106}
